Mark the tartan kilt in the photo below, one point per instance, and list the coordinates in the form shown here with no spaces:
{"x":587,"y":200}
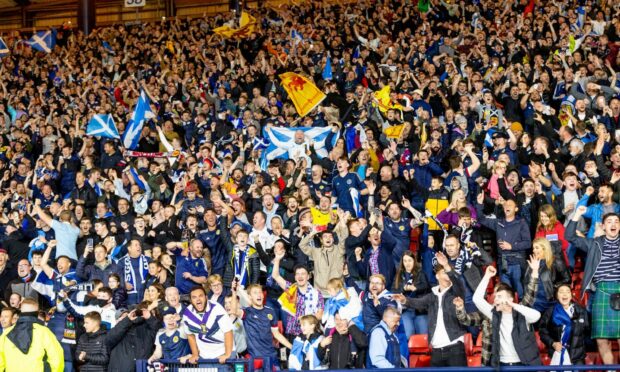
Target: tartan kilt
{"x":605,"y":320}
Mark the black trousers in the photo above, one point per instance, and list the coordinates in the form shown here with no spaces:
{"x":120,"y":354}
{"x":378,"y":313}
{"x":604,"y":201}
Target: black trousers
{"x":449,"y":356}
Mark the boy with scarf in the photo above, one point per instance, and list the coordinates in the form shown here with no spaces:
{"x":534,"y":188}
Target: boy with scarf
{"x":243,"y":263}
{"x":133,"y":269}
{"x":308,"y":348}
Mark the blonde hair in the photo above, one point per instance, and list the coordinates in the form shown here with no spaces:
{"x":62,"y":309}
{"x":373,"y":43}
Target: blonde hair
{"x":544,"y":244}
{"x":338,"y":285}
{"x":212,"y":279}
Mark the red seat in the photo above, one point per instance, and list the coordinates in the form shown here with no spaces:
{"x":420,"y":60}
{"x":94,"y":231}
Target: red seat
{"x":477,"y":349}
{"x":545,"y":359}
{"x":541,"y":346}
{"x":418,"y":344}
{"x":469,"y":344}
{"x":276,"y":343}
{"x":419,"y":361}
{"x":474,"y":361}
{"x":593,"y":359}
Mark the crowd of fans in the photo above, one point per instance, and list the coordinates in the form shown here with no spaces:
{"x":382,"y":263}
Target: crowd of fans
{"x":488,"y":189}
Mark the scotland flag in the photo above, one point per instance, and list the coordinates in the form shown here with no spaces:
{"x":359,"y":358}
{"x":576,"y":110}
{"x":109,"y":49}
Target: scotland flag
{"x":4,"y":50}
{"x":107,"y":47}
{"x":43,"y":41}
{"x":102,"y":125}
{"x":581,"y":17}
{"x":327,"y":71}
{"x":282,"y":143}
{"x":141,"y":113}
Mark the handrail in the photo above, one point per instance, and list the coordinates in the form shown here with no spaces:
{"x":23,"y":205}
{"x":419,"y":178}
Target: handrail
{"x":597,"y":367}
{"x":141,"y":363}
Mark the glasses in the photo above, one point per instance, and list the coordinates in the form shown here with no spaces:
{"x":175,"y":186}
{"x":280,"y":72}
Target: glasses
{"x":216,"y":285}
{"x":376,"y":283}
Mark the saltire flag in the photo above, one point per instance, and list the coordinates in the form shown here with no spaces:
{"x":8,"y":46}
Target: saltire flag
{"x":296,"y":36}
{"x":281,"y":139}
{"x":560,"y":90}
{"x":581,"y":17}
{"x":327,"y":70}
{"x":107,"y":47}
{"x":356,"y":52}
{"x":141,"y":113}
{"x":4,"y":49}
{"x":304,"y":94}
{"x":137,"y":180}
{"x":384,"y":102}
{"x":350,"y":136}
{"x":355,"y":197}
{"x":260,"y":143}
{"x":102,"y":125}
{"x":237,"y":123}
{"x":43,"y":41}
{"x":45,"y":285}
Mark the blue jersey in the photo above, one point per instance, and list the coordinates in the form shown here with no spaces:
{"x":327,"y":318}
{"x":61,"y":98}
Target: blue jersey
{"x":195,"y":266}
{"x":212,"y":240}
{"x":258,"y":324}
{"x":341,"y":188}
{"x":174,"y":346}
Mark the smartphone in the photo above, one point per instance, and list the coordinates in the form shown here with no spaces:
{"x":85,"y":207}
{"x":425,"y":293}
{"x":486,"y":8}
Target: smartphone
{"x":89,"y":242}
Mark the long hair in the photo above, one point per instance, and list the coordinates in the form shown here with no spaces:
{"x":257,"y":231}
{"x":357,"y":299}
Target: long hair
{"x":550,"y":212}
{"x":338,"y":285}
{"x":544,"y":244}
{"x":400,"y":272}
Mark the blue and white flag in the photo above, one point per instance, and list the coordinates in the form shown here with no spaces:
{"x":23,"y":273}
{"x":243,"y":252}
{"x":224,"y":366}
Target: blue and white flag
{"x":43,"y":41}
{"x":355,"y":197}
{"x":560,"y":90}
{"x":327,"y":71}
{"x":107,"y":47}
{"x":296,"y":36}
{"x":102,"y":125}
{"x":4,"y":49}
{"x":238,"y":123}
{"x":141,"y":113}
{"x":281,"y":140}
{"x":581,"y":17}
{"x":356,"y":52}
{"x":260,"y":143}
{"x":138,"y":181}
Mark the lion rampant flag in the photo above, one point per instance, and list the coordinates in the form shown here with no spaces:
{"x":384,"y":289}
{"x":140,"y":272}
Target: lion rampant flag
{"x":384,"y":102}
{"x":247,"y":25}
{"x":304,"y":94}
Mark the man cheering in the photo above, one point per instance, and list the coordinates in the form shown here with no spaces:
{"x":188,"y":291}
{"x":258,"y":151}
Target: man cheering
{"x":208,"y":328}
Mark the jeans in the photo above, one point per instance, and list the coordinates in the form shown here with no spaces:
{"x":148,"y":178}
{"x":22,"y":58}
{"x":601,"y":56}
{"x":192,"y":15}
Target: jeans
{"x":570,"y":252}
{"x":414,"y":323}
{"x":449,"y":356}
{"x":512,"y":274}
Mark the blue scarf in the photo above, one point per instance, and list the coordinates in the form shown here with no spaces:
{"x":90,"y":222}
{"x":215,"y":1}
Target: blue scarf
{"x":131,"y":277}
{"x":561,"y":318}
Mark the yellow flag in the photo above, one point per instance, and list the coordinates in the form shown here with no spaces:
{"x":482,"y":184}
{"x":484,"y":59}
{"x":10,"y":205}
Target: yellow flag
{"x":394,"y":131}
{"x":247,"y":25}
{"x":384,"y":101}
{"x":304,"y":94}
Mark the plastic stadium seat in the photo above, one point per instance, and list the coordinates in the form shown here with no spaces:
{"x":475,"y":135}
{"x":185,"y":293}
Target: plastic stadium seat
{"x":418,"y":344}
{"x":469,"y":344}
{"x":593,"y":358}
{"x":541,"y":346}
{"x":545,"y":359}
{"x":477,"y":349}
{"x":474,"y":361}
{"x":421,"y":361}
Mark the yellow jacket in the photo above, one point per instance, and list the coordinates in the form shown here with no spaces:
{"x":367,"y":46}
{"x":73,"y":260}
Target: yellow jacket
{"x":44,"y":343}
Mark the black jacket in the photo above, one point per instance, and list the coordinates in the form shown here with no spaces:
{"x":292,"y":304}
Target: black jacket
{"x":97,"y":353}
{"x":522,"y":336}
{"x":550,"y":277}
{"x":7,"y":275}
{"x":551,"y":332}
{"x":129,"y":341}
{"x":430,"y":302}
{"x":342,"y":354}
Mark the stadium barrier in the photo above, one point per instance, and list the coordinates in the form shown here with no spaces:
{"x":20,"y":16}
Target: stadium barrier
{"x":204,"y":365}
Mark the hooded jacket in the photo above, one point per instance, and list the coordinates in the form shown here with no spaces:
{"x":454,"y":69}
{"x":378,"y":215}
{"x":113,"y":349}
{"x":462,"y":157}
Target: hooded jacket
{"x":29,"y":345}
{"x":129,"y":341}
